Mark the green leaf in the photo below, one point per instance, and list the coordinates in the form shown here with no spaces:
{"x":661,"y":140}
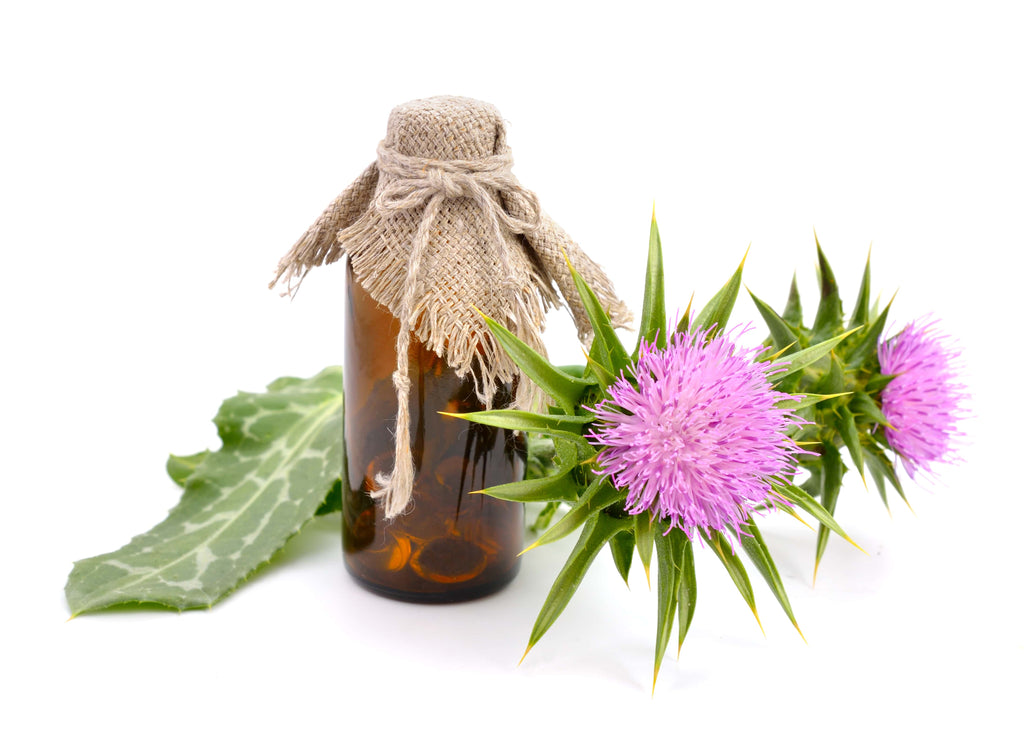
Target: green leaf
{"x":829,"y":318}
{"x":602,"y":375}
{"x":833,"y":381}
{"x":598,"y":531}
{"x":862,"y":311}
{"x":757,"y":552}
{"x":848,"y":431}
{"x":180,"y":467}
{"x":877,"y":382}
{"x":807,"y":400}
{"x":832,"y":479}
{"x":783,"y":336}
{"x":540,"y":455}
{"x":597,"y":496}
{"x":543,"y":520}
{"x":684,"y":322}
{"x":607,"y":350}
{"x":877,"y":475}
{"x":556,"y":425}
{"x":734,"y":566}
{"x":718,"y":310}
{"x":565,"y":389}
{"x":670,"y":573}
{"x":864,"y":406}
{"x":332,"y":502}
{"x":878,"y":461}
{"x":622,"y":545}
{"x":793,"y":313}
{"x":644,"y":535}
{"x":577,"y":371}
{"x":281,"y":451}
{"x":559,"y":486}
{"x":687,"y":592}
{"x":797,"y":361}
{"x":652,"y":320}
{"x":867,"y":344}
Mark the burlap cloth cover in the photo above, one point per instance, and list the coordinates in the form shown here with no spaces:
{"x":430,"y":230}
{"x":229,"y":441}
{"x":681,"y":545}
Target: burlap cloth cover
{"x":437,"y":228}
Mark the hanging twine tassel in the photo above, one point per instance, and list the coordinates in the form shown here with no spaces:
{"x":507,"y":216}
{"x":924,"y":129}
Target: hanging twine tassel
{"x":417,"y":182}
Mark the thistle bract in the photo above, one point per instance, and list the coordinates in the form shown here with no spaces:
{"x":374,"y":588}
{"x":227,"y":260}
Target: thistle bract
{"x":698,"y":438}
{"x":923,"y":402}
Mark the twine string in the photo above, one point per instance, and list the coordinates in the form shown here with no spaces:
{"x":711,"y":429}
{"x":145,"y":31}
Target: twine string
{"x":428,"y":183}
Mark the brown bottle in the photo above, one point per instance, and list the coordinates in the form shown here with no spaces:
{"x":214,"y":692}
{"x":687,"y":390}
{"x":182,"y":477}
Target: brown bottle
{"x":451,"y":544}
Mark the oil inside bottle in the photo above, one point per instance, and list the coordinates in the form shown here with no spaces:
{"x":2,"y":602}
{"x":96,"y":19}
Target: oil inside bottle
{"x":452,"y":544}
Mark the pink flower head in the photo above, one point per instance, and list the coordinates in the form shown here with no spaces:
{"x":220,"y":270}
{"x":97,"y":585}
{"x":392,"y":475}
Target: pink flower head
{"x":698,"y":438}
{"x":924,"y":402}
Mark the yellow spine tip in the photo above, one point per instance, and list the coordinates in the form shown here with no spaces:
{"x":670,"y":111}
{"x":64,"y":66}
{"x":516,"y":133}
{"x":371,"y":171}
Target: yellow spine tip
{"x":814,"y":579}
{"x":758,"y":619}
{"x":854,"y":544}
{"x":801,"y":633}
{"x":744,"y":260}
{"x":529,"y":548}
{"x":524,"y":655}
{"x":647,"y":572}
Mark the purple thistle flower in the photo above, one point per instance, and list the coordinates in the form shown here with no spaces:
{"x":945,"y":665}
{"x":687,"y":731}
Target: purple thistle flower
{"x":924,"y":402}
{"x":698,"y":438}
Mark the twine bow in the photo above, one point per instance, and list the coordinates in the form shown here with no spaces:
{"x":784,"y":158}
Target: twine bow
{"x":428,"y":183}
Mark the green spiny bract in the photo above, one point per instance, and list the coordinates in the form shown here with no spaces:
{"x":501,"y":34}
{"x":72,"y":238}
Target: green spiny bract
{"x":847,"y":382}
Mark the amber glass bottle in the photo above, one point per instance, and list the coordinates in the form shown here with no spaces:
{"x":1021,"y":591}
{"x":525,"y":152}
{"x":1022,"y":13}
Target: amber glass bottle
{"x":452,"y":544}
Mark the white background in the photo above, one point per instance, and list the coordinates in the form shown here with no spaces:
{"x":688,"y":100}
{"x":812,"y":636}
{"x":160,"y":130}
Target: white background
{"x":157,"y":160}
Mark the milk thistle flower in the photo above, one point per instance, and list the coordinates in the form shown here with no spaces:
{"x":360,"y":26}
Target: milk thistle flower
{"x":924,"y":401}
{"x":686,"y":436}
{"x":699,"y":437}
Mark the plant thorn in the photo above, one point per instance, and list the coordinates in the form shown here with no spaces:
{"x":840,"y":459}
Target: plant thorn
{"x":801,"y":633}
{"x":792,"y":513}
{"x":758,"y":619}
{"x":850,"y":540}
{"x":524,"y":655}
{"x":529,"y":548}
{"x":744,"y":260}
